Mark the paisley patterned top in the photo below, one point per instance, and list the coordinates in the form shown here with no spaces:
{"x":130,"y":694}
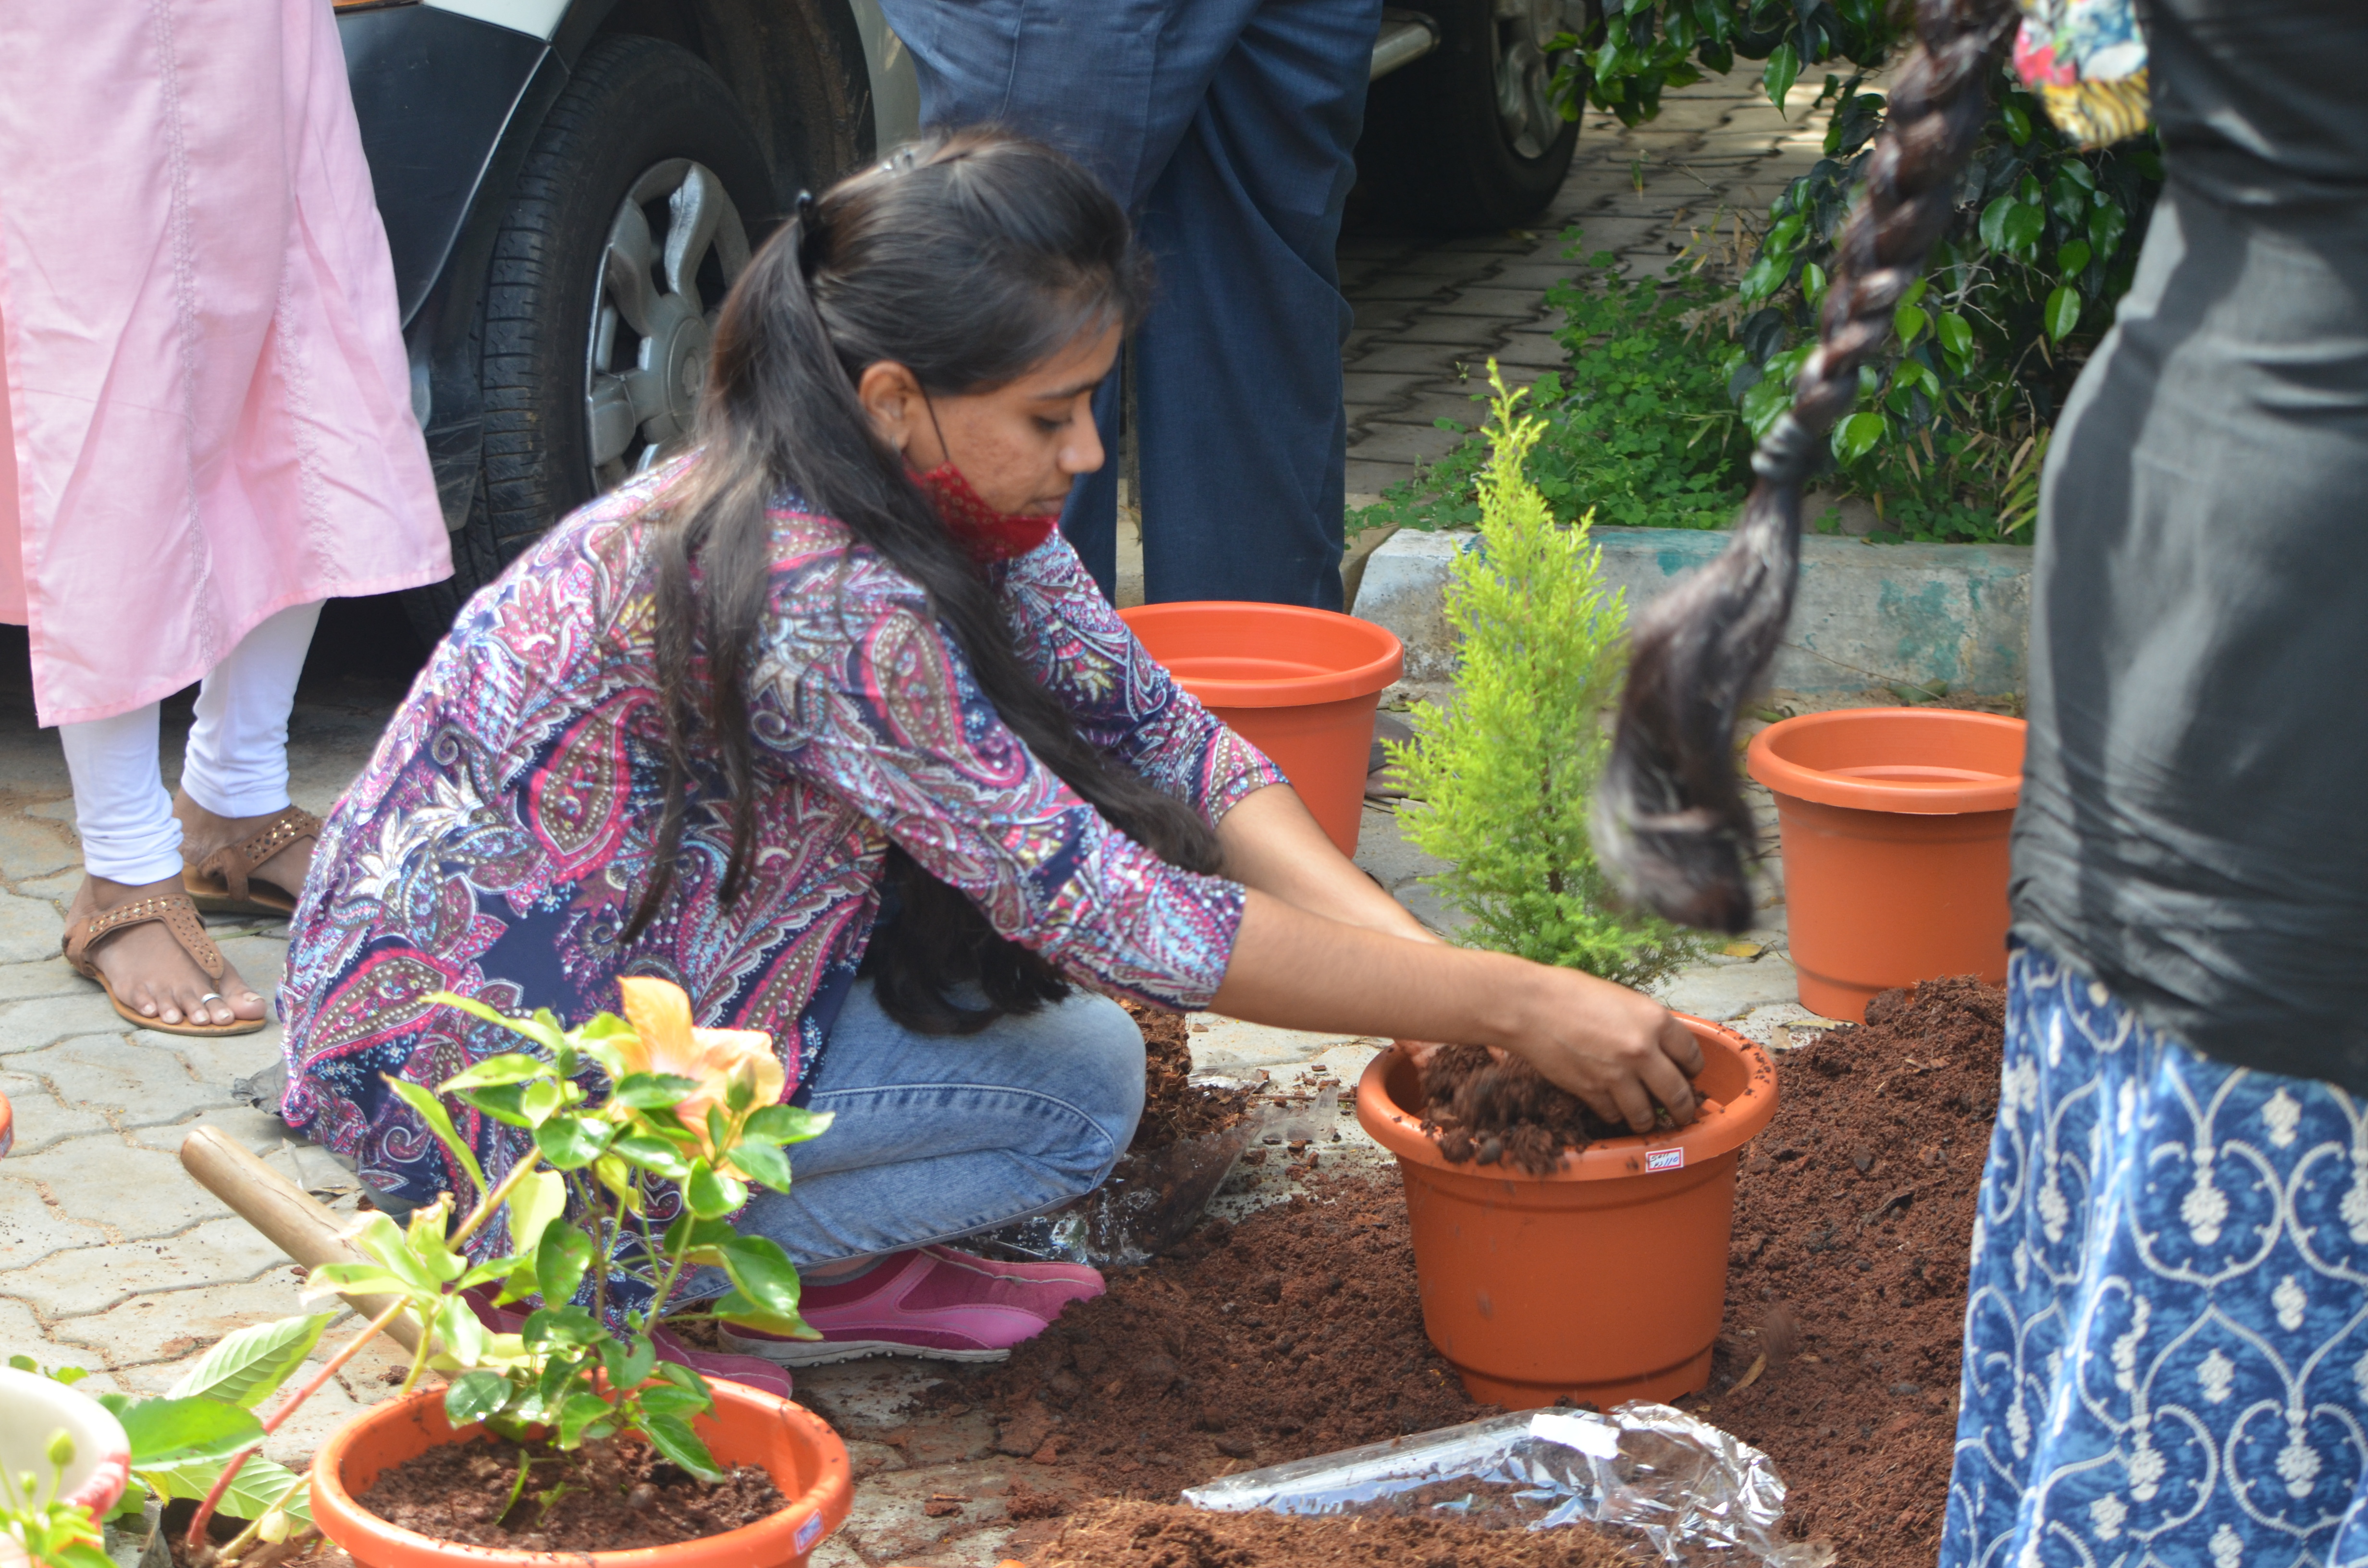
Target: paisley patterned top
{"x":499,"y":840}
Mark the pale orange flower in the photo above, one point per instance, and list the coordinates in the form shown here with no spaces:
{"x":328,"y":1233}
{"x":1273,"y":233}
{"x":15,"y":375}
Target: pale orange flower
{"x":665,"y":1040}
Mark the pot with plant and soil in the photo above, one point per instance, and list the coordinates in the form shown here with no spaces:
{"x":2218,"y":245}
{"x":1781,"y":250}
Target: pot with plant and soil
{"x":1557,"y":1256}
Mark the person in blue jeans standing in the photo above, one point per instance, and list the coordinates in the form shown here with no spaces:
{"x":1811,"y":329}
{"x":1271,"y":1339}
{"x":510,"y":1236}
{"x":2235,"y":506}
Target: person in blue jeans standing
{"x":1227,"y":128}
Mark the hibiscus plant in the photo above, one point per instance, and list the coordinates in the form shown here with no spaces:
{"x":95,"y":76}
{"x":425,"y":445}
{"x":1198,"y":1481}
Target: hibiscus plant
{"x":618,"y":1111}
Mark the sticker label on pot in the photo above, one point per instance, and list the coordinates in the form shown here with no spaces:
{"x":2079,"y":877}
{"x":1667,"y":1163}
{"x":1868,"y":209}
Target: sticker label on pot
{"x":1664,"y":1159}
{"x":809,"y":1528}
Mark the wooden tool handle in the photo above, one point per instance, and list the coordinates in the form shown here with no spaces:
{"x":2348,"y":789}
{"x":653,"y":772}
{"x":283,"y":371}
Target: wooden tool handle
{"x":290,"y":1218}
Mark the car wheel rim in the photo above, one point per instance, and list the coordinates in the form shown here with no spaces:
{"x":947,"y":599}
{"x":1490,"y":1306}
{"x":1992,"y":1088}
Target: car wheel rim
{"x":1527,"y":105}
{"x":675,"y":247}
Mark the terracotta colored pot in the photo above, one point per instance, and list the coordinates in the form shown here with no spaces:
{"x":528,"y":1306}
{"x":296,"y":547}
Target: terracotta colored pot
{"x":1895,"y":824}
{"x":32,"y":1408}
{"x":1300,"y":684}
{"x":1603,"y":1281}
{"x":803,"y":1455}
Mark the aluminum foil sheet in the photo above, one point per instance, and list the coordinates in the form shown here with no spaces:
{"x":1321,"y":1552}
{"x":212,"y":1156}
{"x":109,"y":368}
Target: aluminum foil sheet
{"x":1698,"y":1496}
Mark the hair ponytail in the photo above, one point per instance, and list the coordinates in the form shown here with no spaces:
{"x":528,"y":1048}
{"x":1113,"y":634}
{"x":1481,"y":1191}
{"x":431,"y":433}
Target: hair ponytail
{"x":969,"y":261}
{"x":1670,"y":824}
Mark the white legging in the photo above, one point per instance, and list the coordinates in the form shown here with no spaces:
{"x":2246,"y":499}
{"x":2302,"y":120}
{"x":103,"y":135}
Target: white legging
{"x":237,"y":764}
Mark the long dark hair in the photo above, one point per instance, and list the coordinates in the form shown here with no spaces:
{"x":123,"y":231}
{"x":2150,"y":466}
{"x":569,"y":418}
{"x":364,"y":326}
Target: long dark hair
{"x":968,"y":260}
{"x":1670,"y":824}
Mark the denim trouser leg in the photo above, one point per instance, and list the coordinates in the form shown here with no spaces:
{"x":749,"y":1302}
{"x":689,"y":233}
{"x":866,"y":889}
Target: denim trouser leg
{"x":1228,"y":127}
{"x":937,"y":1136}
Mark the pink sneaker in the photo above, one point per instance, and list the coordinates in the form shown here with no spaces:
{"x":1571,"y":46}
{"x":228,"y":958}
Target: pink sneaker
{"x":933,"y":1303}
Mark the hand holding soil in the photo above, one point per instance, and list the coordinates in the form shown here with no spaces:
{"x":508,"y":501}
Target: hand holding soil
{"x":1619,"y":1051}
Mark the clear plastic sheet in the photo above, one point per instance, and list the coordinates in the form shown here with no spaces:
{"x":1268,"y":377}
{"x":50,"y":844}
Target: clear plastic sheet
{"x":1150,"y":1202}
{"x":1698,"y":1496}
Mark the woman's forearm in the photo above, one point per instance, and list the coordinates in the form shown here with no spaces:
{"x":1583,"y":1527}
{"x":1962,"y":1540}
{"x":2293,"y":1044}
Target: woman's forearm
{"x":1616,"y":1050}
{"x":1271,"y":844}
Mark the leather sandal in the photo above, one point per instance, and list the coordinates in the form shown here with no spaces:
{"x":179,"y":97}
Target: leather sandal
{"x":177,"y":916}
{"x":225,"y":883}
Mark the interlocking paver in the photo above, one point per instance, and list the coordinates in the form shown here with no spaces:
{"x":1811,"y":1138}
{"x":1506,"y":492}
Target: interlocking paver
{"x":173,"y":1325}
{"x":227,"y":1251}
{"x":45,"y":1019}
{"x":31,"y":1228}
{"x":43,"y":1119}
{"x":101,"y":1179}
{"x":129,"y":1080}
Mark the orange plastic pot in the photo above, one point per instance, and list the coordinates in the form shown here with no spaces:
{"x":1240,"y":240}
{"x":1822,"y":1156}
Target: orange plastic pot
{"x":1603,"y":1281}
{"x":1300,"y":684}
{"x":803,"y":1455}
{"x":1895,"y":824}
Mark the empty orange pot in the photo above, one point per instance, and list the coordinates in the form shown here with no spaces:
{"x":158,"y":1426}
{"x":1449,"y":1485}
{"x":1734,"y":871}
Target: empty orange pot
{"x":1603,"y":1281}
{"x":1300,"y":684}
{"x":802,"y":1454}
{"x":1895,"y":824}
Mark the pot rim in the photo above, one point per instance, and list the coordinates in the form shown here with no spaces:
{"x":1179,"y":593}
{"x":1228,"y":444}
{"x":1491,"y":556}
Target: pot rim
{"x":1385,"y":663}
{"x":1712,"y":1133}
{"x":1783,"y":775}
{"x":771,"y":1538}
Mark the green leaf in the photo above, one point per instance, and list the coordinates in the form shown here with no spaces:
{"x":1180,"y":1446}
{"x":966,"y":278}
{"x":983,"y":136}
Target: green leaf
{"x":1782,"y":70}
{"x":515,"y":1067}
{"x":764,"y":1165}
{"x":439,"y":1122}
{"x":2023,"y":226}
{"x":473,"y":1396}
{"x":787,"y":1123}
{"x":763,"y":1272}
{"x":542,"y":1099}
{"x":1956,"y":333}
{"x":168,"y":1431}
{"x":379,"y":1237}
{"x":245,"y":1366}
{"x":653,"y":1091}
{"x":561,"y":1325}
{"x":463,"y":1337}
{"x":533,"y":1204}
{"x":571,"y":1142}
{"x":652,"y":1154}
{"x":1856,"y":437}
{"x":2073,"y":259}
{"x":2017,"y":122}
{"x":1993,"y":224}
{"x":710,"y":1195}
{"x":505,"y":1103}
{"x":1909,"y":322}
{"x":668,"y":1400}
{"x":2063,"y":310}
{"x":580,"y":1412}
{"x":559,"y":1263}
{"x":672,"y":1436}
{"x":628,"y":1365}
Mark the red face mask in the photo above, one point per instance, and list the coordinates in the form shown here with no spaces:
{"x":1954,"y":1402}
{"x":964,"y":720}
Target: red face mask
{"x":989,"y":535}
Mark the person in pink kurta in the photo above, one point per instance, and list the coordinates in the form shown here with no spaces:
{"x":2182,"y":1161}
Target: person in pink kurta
{"x":207,"y":431}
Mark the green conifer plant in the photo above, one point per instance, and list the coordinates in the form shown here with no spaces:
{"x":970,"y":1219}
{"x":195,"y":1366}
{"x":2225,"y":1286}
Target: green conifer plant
{"x":1500,"y":777}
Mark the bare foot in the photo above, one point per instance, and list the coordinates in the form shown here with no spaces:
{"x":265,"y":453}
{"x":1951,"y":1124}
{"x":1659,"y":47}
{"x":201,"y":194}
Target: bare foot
{"x":203,"y":832}
{"x":150,"y":971}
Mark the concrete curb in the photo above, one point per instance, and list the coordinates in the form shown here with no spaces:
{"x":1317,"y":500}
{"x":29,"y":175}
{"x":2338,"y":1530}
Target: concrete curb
{"x":1866,"y":616}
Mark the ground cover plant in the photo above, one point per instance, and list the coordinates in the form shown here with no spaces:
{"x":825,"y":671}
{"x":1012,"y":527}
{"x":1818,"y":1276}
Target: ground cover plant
{"x":1952,"y":422}
{"x":1500,"y":778}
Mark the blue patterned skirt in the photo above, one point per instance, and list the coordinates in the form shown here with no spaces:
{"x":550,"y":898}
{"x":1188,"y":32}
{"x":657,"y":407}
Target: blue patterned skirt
{"x":2167,"y":1329}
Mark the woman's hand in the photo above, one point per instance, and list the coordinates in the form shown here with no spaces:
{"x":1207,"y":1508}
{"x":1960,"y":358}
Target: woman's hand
{"x":1617,"y":1051}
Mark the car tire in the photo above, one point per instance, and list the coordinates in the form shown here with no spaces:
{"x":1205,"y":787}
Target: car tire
{"x":1459,"y":142}
{"x":632,"y":109}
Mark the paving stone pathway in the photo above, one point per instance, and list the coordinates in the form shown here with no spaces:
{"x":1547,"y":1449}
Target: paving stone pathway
{"x":113,"y":1260}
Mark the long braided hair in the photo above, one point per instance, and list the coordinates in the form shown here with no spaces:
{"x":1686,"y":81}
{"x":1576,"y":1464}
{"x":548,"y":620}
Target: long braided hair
{"x":969,"y":259}
{"x":1670,"y":826}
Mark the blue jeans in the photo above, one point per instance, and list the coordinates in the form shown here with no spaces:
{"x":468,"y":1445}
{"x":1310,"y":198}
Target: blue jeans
{"x":937,"y":1136}
{"x":1227,"y":128}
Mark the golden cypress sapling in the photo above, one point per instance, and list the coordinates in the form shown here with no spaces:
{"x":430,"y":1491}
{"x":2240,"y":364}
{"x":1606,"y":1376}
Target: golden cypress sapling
{"x":1500,"y":777}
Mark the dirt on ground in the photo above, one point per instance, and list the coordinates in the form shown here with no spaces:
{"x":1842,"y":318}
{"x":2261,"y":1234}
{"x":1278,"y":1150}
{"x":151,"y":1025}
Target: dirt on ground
{"x":1846,"y":1288}
{"x":605,"y":1496}
{"x":1174,"y":1108}
{"x":1167,"y":1535}
{"x":1487,"y":1110}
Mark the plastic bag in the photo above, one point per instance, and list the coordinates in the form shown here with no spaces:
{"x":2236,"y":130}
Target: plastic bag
{"x":1150,"y":1202}
{"x":1697,"y":1496}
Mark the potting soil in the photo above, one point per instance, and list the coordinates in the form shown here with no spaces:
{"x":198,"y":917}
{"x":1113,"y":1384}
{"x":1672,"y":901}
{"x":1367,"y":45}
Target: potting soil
{"x":1484,"y":1110}
{"x":1174,"y":1108}
{"x":1158,"y":1535}
{"x":605,"y":1496}
{"x":1854,"y":1216}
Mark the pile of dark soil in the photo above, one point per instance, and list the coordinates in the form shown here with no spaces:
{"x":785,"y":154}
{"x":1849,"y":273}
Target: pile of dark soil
{"x":605,"y":1497}
{"x":1295,"y":1331}
{"x":1174,"y":1108}
{"x":1487,"y":1111}
{"x":1156,"y":1535}
{"x":1853,"y":1218}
